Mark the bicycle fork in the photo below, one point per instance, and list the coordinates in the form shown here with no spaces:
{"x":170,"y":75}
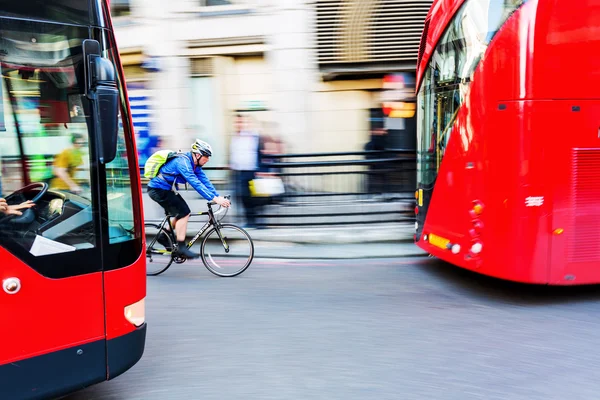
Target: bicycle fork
{"x":223,"y":240}
{"x":217,"y":225}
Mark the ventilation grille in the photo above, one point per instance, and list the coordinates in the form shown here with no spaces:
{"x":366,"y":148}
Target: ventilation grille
{"x":202,"y":67}
{"x":584,"y":243}
{"x":363,"y":31}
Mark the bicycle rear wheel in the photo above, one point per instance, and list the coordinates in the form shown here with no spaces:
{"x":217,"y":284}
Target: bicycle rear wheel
{"x":158,"y":257}
{"x":227,"y":251}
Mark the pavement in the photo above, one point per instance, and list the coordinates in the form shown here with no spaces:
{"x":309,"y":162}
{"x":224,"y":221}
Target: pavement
{"x":382,"y":329}
{"x":378,"y":240}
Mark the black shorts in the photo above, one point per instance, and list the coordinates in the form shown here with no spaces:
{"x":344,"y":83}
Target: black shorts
{"x":172,"y":202}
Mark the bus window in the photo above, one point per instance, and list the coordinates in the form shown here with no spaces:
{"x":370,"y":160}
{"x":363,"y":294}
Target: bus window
{"x":426,"y":136}
{"x":44,"y":147}
{"x":71,"y":12}
{"x":448,"y":75}
{"x":118,"y":171}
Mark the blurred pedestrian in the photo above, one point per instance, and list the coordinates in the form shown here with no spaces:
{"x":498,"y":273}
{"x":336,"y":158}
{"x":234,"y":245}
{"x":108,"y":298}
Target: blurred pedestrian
{"x":66,"y":163}
{"x":376,"y":175}
{"x":244,"y":162}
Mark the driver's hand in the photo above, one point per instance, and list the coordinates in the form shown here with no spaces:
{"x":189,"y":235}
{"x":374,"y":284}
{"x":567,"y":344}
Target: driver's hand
{"x":3,"y":206}
{"x":76,"y":189}
{"x":25,"y":204}
{"x":14,"y":210}
{"x":222,"y":201}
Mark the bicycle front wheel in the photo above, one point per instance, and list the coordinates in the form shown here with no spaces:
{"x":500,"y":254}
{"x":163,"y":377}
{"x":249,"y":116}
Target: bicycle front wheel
{"x":158,"y":256}
{"x":227,"y":251}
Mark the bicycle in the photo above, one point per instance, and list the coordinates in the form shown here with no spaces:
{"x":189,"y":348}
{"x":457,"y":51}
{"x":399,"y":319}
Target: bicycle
{"x":221,"y":248}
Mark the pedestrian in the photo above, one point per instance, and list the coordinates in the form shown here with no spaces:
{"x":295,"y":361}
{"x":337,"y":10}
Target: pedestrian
{"x":66,"y":163}
{"x":244,"y":161}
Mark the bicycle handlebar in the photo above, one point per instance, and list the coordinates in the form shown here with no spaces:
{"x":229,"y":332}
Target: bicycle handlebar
{"x":212,"y":203}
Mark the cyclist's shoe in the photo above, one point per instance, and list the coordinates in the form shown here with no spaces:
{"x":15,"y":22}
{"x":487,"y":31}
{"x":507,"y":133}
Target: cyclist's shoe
{"x":164,"y":241}
{"x":183,"y":251}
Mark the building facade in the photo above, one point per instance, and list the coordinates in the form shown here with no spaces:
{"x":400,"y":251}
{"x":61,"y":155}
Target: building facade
{"x":309,"y":72}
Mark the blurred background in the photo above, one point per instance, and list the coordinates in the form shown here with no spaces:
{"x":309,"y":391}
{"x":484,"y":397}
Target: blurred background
{"x":327,"y":85}
{"x":313,"y":73}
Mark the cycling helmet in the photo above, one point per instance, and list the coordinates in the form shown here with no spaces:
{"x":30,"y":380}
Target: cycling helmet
{"x":201,"y":147}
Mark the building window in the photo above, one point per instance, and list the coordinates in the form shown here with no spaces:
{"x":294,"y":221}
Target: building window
{"x":119,"y":8}
{"x":207,"y":3}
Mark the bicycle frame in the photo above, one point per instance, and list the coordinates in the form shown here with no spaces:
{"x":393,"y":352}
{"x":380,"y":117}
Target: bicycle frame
{"x":212,"y":221}
{"x":210,"y":254}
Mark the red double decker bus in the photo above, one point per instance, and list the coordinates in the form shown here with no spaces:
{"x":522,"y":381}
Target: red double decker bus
{"x":508,"y":138}
{"x":72,"y":270}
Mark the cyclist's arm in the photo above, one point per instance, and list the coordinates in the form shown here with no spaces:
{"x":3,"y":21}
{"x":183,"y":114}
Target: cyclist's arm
{"x":204,"y":179}
{"x":185,"y":170}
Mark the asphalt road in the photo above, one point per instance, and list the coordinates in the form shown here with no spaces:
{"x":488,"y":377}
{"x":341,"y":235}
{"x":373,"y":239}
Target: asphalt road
{"x":353,"y":329}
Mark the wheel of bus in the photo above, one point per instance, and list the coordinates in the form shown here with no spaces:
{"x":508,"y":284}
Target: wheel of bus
{"x":158,"y":257}
{"x":227,"y":250}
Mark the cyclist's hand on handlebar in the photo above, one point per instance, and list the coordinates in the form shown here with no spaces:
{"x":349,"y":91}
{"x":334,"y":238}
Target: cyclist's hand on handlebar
{"x":222,"y":201}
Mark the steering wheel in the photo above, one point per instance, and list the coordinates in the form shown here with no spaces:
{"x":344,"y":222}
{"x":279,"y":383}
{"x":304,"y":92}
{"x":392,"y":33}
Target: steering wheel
{"x":29,"y":188}
{"x":28,"y":215}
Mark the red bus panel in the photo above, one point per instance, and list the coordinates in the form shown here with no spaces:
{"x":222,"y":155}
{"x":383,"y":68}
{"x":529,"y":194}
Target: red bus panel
{"x":516,"y":174}
{"x":72,"y":271}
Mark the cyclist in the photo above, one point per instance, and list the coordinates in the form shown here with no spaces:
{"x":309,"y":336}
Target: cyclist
{"x":185,"y":167}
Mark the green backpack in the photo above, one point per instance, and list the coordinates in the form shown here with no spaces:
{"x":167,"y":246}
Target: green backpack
{"x":156,"y":161}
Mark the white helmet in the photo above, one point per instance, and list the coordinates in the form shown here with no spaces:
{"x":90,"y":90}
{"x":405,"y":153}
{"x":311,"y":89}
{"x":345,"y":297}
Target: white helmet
{"x":201,"y":147}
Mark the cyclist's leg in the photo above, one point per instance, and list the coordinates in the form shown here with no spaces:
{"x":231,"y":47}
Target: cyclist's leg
{"x":180,"y":209}
{"x":160,"y":196}
{"x":181,"y":227}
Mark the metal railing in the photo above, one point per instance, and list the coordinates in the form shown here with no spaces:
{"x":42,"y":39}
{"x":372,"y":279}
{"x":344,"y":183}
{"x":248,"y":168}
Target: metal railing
{"x":349,"y":174}
{"x":360,"y":187}
{"x":352,"y":181}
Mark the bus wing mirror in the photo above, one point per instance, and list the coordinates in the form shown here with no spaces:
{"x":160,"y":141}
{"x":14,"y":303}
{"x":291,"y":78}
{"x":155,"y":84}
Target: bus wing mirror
{"x":101,"y":88}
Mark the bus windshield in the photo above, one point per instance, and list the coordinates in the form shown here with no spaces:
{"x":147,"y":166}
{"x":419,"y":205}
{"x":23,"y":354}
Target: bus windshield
{"x":43,"y":105}
{"x":46,"y":138}
{"x":448,"y":74}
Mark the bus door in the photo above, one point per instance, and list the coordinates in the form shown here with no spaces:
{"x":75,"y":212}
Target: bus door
{"x":574,"y":142}
{"x":53,"y":256}
{"x":438,"y":110}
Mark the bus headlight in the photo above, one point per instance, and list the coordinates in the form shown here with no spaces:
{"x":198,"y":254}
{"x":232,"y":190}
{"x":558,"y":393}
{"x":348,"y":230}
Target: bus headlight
{"x":136,"y":312}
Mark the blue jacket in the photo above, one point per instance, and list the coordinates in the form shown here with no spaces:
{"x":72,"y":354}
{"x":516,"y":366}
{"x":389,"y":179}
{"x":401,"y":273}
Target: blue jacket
{"x":181,"y":170}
